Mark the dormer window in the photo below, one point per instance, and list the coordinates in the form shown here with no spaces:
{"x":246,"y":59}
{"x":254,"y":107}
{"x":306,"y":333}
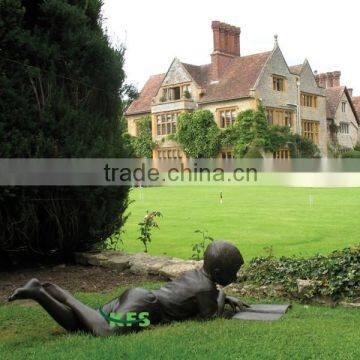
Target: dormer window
{"x":278,"y":83}
{"x":175,"y":93}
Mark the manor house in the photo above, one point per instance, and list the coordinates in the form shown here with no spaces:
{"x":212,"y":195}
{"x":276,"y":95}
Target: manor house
{"x":294,"y":96}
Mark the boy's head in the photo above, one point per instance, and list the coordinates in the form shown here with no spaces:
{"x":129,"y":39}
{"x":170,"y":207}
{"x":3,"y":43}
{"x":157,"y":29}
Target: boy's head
{"x":222,"y":261}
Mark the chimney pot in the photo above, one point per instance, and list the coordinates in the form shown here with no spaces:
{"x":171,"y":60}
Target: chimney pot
{"x":350,"y":91}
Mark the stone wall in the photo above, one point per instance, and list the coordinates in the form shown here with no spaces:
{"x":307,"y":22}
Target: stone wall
{"x":264,"y":89}
{"x":139,"y":263}
{"x":347,"y":140}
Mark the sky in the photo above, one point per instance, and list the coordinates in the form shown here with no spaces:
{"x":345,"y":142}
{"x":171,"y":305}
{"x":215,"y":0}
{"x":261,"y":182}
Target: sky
{"x":156,"y":31}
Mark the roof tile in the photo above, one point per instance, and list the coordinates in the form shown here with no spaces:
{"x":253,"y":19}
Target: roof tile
{"x":143,"y":103}
{"x":333,"y":97}
{"x":296,"y":69}
{"x":356,"y":102}
{"x":238,"y":79}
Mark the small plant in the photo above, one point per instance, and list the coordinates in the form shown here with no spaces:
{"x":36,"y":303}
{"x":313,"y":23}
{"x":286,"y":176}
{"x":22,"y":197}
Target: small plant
{"x":199,"y":248}
{"x":114,"y":242}
{"x":187,"y":94}
{"x":162,"y":99}
{"x":145,"y":227}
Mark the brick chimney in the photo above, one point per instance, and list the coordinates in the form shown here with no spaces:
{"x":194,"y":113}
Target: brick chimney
{"x":336,"y":78}
{"x":329,"y":79}
{"x":226,"y":47}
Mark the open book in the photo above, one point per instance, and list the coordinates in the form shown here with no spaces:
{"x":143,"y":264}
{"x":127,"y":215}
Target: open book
{"x":262,"y":312}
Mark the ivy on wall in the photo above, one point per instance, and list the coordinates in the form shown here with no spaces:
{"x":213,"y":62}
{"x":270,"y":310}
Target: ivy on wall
{"x":143,"y":143}
{"x":198,"y":134}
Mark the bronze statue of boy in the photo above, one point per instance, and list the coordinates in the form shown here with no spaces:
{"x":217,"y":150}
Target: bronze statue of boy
{"x":192,"y":295}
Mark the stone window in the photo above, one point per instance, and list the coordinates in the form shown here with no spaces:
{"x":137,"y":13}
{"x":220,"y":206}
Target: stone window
{"x":166,"y":123}
{"x":310,"y":130}
{"x":227,"y":153}
{"x":175,"y":92}
{"x":282,"y":154}
{"x":169,"y":153}
{"x":344,"y":128}
{"x":227,"y":117}
{"x":280,"y":117}
{"x":343,"y":106}
{"x":308,"y":100}
{"x":278,"y":83}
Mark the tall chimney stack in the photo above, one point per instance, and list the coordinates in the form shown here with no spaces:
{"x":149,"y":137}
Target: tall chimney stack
{"x":329,"y":79}
{"x":226,"y":47}
{"x":336,"y":78}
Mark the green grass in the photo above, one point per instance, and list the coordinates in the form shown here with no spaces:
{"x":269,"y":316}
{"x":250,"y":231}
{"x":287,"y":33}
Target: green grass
{"x":306,"y":332}
{"x":252,"y":217}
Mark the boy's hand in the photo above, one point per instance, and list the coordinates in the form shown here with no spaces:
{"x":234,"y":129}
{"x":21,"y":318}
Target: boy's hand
{"x":235,"y":303}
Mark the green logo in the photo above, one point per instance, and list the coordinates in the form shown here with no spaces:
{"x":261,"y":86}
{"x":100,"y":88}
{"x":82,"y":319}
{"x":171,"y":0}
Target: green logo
{"x":130,"y":318}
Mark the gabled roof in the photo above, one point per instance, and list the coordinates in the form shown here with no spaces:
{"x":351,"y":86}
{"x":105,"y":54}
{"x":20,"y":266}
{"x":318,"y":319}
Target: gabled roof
{"x":296,"y":69}
{"x":143,"y":103}
{"x":199,"y":73}
{"x":356,"y":102}
{"x":240,"y":76}
{"x":333,"y":99}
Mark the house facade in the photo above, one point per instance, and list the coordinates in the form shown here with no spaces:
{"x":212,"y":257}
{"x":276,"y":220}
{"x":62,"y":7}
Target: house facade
{"x":342,"y":117}
{"x":356,"y":102}
{"x":229,"y":84}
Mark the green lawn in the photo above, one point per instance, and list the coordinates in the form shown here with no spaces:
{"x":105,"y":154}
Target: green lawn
{"x":306,"y":332}
{"x":253,"y":217}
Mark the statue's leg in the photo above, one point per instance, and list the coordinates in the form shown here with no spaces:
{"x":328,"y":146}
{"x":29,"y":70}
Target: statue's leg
{"x":90,"y":319}
{"x":61,"y":313}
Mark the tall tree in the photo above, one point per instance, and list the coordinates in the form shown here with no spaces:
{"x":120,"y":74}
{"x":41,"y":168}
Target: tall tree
{"x":61,"y":86}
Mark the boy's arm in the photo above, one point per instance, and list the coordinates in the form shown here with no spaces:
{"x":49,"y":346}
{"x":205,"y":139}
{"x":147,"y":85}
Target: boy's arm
{"x":235,"y":303}
{"x":207,"y":304}
{"x":221,"y":300}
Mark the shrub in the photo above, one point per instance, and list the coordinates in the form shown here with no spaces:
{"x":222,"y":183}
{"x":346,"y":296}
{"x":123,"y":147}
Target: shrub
{"x":60,"y":97}
{"x":301,"y":147}
{"x":253,"y":153}
{"x":198,"y":134}
{"x":354,"y":154}
{"x":336,"y":275}
{"x":143,"y":144}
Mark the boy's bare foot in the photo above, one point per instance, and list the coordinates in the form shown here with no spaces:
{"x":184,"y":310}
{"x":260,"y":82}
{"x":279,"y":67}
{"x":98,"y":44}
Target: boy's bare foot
{"x":28,"y":291}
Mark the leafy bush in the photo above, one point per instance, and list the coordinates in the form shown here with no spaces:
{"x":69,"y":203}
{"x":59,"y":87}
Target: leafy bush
{"x":251,"y":129}
{"x":61,"y":89}
{"x":251,"y":134}
{"x":336,"y":275}
{"x":354,"y":154}
{"x":198,"y":134}
{"x":143,"y":144}
{"x":253,"y":153}
{"x":301,"y":147}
